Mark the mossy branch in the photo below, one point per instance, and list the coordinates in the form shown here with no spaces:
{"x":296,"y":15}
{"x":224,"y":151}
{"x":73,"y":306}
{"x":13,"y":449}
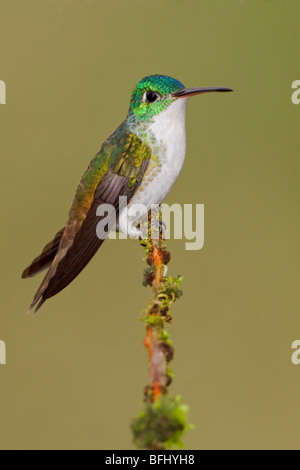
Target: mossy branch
{"x":164,"y":419}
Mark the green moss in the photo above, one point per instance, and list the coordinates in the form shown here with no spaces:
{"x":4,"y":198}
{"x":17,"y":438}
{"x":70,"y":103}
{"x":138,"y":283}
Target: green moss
{"x":170,"y":373}
{"x":165,"y":337}
{"x":155,"y":321}
{"x":161,"y":425}
{"x":170,"y":287}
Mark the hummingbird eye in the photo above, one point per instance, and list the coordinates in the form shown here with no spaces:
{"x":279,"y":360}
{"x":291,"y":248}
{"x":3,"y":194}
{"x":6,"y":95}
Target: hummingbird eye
{"x":150,"y":96}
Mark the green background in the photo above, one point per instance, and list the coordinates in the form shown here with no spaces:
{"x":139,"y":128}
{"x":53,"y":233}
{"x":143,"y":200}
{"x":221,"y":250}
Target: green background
{"x":75,"y":373}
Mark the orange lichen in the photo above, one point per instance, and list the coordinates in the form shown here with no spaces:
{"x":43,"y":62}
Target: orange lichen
{"x":148,"y":341}
{"x":151,"y":340}
{"x":158,"y":263}
{"x":156,"y":390}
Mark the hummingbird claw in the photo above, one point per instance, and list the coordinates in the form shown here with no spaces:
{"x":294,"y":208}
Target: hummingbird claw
{"x":134,"y":232}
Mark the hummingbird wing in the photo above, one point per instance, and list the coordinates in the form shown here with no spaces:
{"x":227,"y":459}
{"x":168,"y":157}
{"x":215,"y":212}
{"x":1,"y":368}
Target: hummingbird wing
{"x":117,"y":170}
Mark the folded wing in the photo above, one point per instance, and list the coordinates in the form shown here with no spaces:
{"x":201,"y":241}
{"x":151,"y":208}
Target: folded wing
{"x":117,"y":170}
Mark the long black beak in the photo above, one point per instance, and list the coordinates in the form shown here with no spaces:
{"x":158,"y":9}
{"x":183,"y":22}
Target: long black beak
{"x":186,"y":92}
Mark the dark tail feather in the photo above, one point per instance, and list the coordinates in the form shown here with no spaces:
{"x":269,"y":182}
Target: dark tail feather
{"x":44,"y":260}
{"x":63,"y":276}
{"x":42,"y":300}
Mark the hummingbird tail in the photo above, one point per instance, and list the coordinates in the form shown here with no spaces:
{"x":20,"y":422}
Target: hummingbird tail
{"x":38,"y":306}
{"x":44,"y":260}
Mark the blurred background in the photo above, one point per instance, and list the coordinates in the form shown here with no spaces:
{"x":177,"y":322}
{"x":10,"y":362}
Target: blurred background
{"x":75,"y":374}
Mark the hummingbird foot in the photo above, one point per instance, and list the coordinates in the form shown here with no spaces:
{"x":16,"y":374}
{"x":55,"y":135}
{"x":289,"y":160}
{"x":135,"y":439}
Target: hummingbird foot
{"x":134,"y":232}
{"x":127,"y":225}
{"x":131,"y":231}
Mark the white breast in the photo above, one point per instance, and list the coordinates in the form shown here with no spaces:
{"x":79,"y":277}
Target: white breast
{"x":166,"y":138}
{"x":167,"y":143}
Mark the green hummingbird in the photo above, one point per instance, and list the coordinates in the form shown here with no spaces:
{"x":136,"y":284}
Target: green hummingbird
{"x":140,"y":161}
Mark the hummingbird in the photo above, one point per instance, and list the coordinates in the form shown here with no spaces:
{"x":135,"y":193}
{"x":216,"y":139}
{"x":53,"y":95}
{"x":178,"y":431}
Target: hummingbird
{"x":140,"y":161}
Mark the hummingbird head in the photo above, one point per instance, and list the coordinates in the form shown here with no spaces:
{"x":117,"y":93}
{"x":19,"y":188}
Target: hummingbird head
{"x":152,"y":95}
{"x":155,"y":93}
